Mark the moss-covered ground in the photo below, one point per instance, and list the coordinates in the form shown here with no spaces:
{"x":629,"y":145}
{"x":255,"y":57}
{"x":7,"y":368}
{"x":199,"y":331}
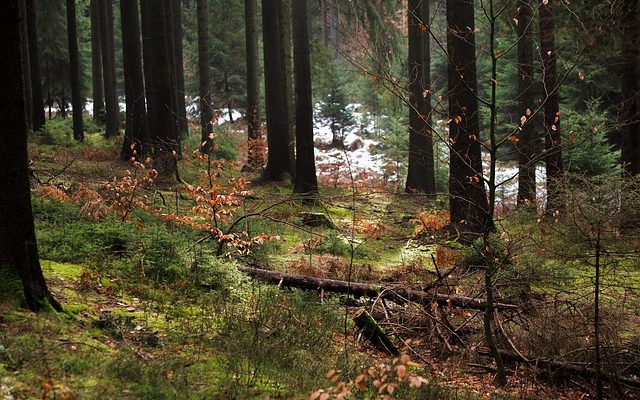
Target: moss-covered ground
{"x":151,"y":312}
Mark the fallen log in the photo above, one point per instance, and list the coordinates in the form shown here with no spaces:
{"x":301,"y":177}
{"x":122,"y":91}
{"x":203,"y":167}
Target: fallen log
{"x":397,"y":294}
{"x":566,"y":368}
{"x":374,"y":333}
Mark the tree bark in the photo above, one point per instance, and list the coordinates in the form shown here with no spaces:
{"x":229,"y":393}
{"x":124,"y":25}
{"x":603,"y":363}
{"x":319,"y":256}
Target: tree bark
{"x":206,"y":114}
{"x":179,"y":67}
{"x":630,"y":55}
{"x":18,"y":250}
{"x":26,"y":69}
{"x":553,"y":140}
{"x":77,"y":101}
{"x":34,"y":58}
{"x":420,"y":172}
{"x":399,"y":295}
{"x":108,"y":68}
{"x":255,"y":159}
{"x":96,"y":61}
{"x":278,"y":158}
{"x":373,"y":332}
{"x":527,"y":138}
{"x":287,"y":63}
{"x":306,"y":182}
{"x":135,"y":137}
{"x":467,"y":199}
{"x":159,"y":91}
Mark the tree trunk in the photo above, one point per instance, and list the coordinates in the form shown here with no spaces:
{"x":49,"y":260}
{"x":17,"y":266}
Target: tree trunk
{"x":254,"y":159}
{"x":135,"y":137}
{"x":18,"y":250}
{"x":179,"y":67}
{"x":96,"y":62}
{"x":397,"y":294}
{"x":159,"y":90}
{"x":287,"y":57}
{"x":527,"y":138}
{"x":324,"y":22}
{"x":334,"y":34}
{"x":278,"y":158}
{"x":77,"y":100}
{"x":373,"y":332}
{"x":467,"y":200}
{"x":206,"y":114}
{"x":306,"y":182}
{"x":227,"y":93}
{"x":108,"y":68}
{"x":552,"y":140}
{"x":26,"y":68}
{"x":34,"y":58}
{"x":420,"y":173}
{"x":630,"y":55}
{"x":170,"y":43}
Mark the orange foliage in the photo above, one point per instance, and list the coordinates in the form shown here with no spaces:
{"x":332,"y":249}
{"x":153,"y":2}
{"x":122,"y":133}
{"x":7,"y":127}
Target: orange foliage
{"x":430,"y":221}
{"x":52,"y":192}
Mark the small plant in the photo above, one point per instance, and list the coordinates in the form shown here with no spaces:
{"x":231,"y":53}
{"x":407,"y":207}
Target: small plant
{"x":381,"y":381}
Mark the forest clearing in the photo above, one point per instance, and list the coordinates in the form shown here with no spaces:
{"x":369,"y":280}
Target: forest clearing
{"x":301,"y":199}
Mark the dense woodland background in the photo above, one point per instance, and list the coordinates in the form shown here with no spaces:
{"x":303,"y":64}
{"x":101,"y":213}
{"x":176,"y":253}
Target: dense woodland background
{"x":319,"y":199}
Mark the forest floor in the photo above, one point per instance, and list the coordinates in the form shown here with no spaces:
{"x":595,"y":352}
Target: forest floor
{"x":152,"y":313}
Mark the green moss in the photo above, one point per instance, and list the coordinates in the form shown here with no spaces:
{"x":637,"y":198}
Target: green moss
{"x":59,"y":270}
{"x":10,"y":287}
{"x":74,"y":308}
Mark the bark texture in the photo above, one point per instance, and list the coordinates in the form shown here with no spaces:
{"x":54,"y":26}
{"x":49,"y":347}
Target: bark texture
{"x":306,"y":182}
{"x":206,"y":114}
{"x":552,"y":139}
{"x":108,"y":67}
{"x":255,"y":159}
{"x":467,"y":199}
{"x":527,"y":139}
{"x":278,"y":159}
{"x":77,"y":101}
{"x":135,"y":136}
{"x":159,"y":87}
{"x":96,"y":62}
{"x":630,"y":55}
{"x":34,"y":58}
{"x":397,"y":294}
{"x":18,"y":250}
{"x":420,"y":172}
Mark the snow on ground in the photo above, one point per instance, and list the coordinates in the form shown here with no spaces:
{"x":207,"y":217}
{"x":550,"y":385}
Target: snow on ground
{"x":362,"y":159}
{"x":88,"y":106}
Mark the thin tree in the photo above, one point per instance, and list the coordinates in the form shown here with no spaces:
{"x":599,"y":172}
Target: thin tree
{"x":255,"y":159}
{"x":170,"y":44}
{"x":135,"y":137}
{"x":26,"y":69}
{"x":18,"y":249}
{"x":159,"y":91}
{"x":34,"y":58}
{"x":552,"y":139}
{"x":306,"y":182}
{"x":467,"y":201}
{"x":287,"y":65}
{"x":179,"y":66}
{"x":527,"y":138}
{"x":420,"y":172}
{"x":77,"y":100}
{"x":278,"y":156}
{"x":206,"y":114}
{"x":630,"y":56}
{"x":108,"y":67}
{"x":96,"y":61}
